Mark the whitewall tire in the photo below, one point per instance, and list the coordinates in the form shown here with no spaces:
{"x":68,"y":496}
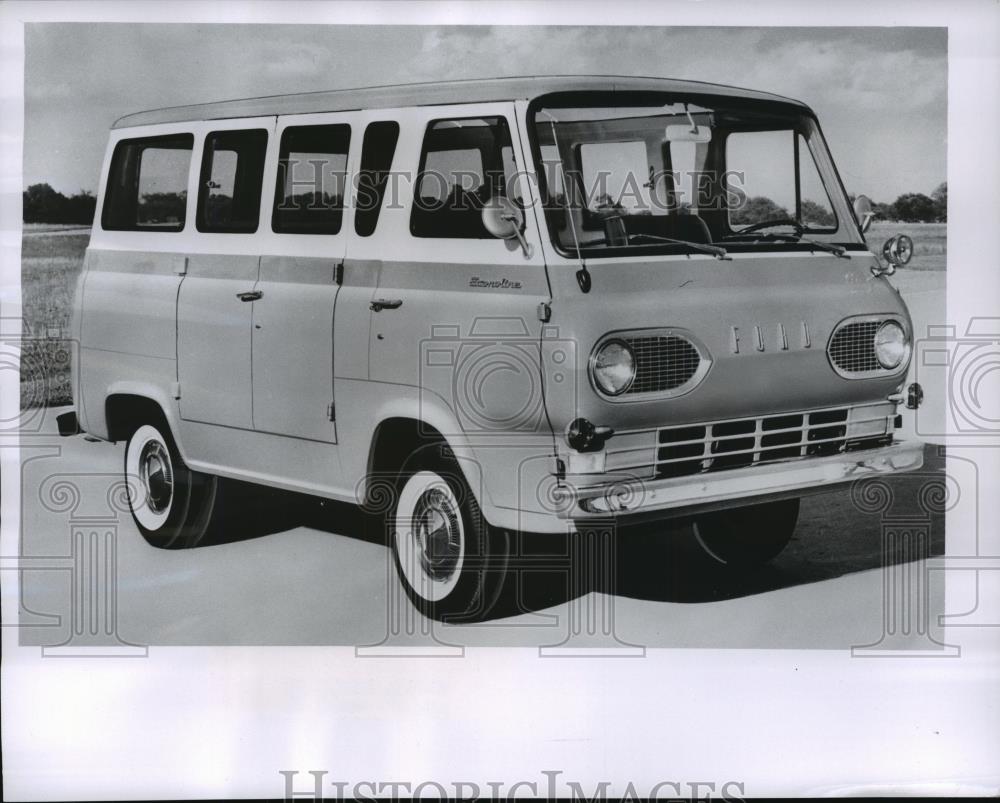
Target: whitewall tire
{"x":429,"y":536}
{"x":451,"y":563}
{"x":147,"y":459}
{"x":172,"y":506}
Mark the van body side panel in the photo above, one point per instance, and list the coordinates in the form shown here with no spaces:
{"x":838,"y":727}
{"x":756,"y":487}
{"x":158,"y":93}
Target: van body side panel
{"x":361,"y":265}
{"x":214,"y":314}
{"x":293,"y":347}
{"x":494,"y":468}
{"x":129,"y":301}
{"x":472,"y":353}
{"x":213,"y":339}
{"x":127,"y":328}
{"x":352,"y":323}
{"x":293,"y":464}
{"x":293,"y":335}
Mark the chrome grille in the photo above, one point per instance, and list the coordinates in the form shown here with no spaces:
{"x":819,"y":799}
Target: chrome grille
{"x":748,"y":441}
{"x":663,"y":362}
{"x":686,"y":449}
{"x":852,"y":347}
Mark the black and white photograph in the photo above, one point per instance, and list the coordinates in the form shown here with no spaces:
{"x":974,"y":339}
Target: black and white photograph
{"x":499,"y":400}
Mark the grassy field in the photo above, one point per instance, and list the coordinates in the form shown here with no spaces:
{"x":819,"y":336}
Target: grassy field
{"x":930,"y":242}
{"x":54,"y":228}
{"x":51,"y":260}
{"x":52,"y":256}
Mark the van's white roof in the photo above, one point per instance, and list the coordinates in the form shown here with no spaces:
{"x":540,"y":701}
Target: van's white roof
{"x":431,"y":94}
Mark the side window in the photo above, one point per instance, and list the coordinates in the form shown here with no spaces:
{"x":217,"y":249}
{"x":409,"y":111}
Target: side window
{"x":232,"y":170}
{"x":376,"y":160}
{"x":461,"y":168}
{"x":312,"y":176}
{"x":147,"y":184}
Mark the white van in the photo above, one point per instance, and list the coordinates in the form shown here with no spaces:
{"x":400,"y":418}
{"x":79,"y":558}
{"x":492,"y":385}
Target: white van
{"x":480,"y":308}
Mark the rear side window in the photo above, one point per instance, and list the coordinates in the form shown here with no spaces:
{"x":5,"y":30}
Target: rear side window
{"x":232,"y":170}
{"x":461,"y":168}
{"x":376,"y":160}
{"x":147,"y":184}
{"x":312,"y":177}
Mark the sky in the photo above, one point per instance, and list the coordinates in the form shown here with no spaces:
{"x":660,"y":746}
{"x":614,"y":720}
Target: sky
{"x":880,"y":93}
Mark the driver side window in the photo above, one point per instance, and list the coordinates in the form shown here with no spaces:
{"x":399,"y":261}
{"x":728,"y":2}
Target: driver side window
{"x":463,"y":163}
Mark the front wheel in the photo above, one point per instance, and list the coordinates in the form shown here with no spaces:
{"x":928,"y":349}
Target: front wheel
{"x":450,"y":561}
{"x":747,"y":536}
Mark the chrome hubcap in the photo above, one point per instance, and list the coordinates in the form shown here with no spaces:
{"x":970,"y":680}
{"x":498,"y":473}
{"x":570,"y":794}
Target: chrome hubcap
{"x":156,"y":476}
{"x":429,"y":536}
{"x":437,"y":534}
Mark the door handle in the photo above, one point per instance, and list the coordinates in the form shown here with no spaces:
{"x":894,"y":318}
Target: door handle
{"x":380,"y":304}
{"x":250,"y":295}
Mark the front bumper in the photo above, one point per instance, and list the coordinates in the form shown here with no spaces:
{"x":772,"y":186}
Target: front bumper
{"x":627,"y":496}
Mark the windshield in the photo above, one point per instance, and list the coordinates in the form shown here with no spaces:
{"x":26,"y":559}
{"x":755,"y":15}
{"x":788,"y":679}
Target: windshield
{"x":668,"y":174}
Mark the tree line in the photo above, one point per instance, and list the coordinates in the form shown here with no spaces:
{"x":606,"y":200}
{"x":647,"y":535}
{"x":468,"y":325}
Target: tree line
{"x":915,"y":207}
{"x":910,"y":207}
{"x":43,"y":204}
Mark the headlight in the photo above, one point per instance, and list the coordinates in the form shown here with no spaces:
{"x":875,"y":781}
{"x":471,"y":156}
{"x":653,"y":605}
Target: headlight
{"x":613,"y":367}
{"x":891,"y":346}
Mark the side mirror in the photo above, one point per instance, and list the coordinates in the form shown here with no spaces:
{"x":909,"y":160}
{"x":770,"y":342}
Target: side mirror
{"x":864,"y":212}
{"x":898,"y":250}
{"x":504,"y":220}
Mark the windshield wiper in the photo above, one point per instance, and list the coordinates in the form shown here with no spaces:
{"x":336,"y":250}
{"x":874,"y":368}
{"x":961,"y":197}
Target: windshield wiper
{"x":714,"y":250}
{"x":832,"y":248}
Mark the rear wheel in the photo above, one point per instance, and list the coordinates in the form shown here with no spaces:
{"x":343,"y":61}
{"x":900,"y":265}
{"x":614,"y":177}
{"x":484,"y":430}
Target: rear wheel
{"x":450,"y":561}
{"x":172,"y":505}
{"x":747,"y":536}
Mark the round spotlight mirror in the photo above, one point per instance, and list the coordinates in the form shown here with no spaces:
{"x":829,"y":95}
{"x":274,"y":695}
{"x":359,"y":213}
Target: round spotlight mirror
{"x":898,"y":250}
